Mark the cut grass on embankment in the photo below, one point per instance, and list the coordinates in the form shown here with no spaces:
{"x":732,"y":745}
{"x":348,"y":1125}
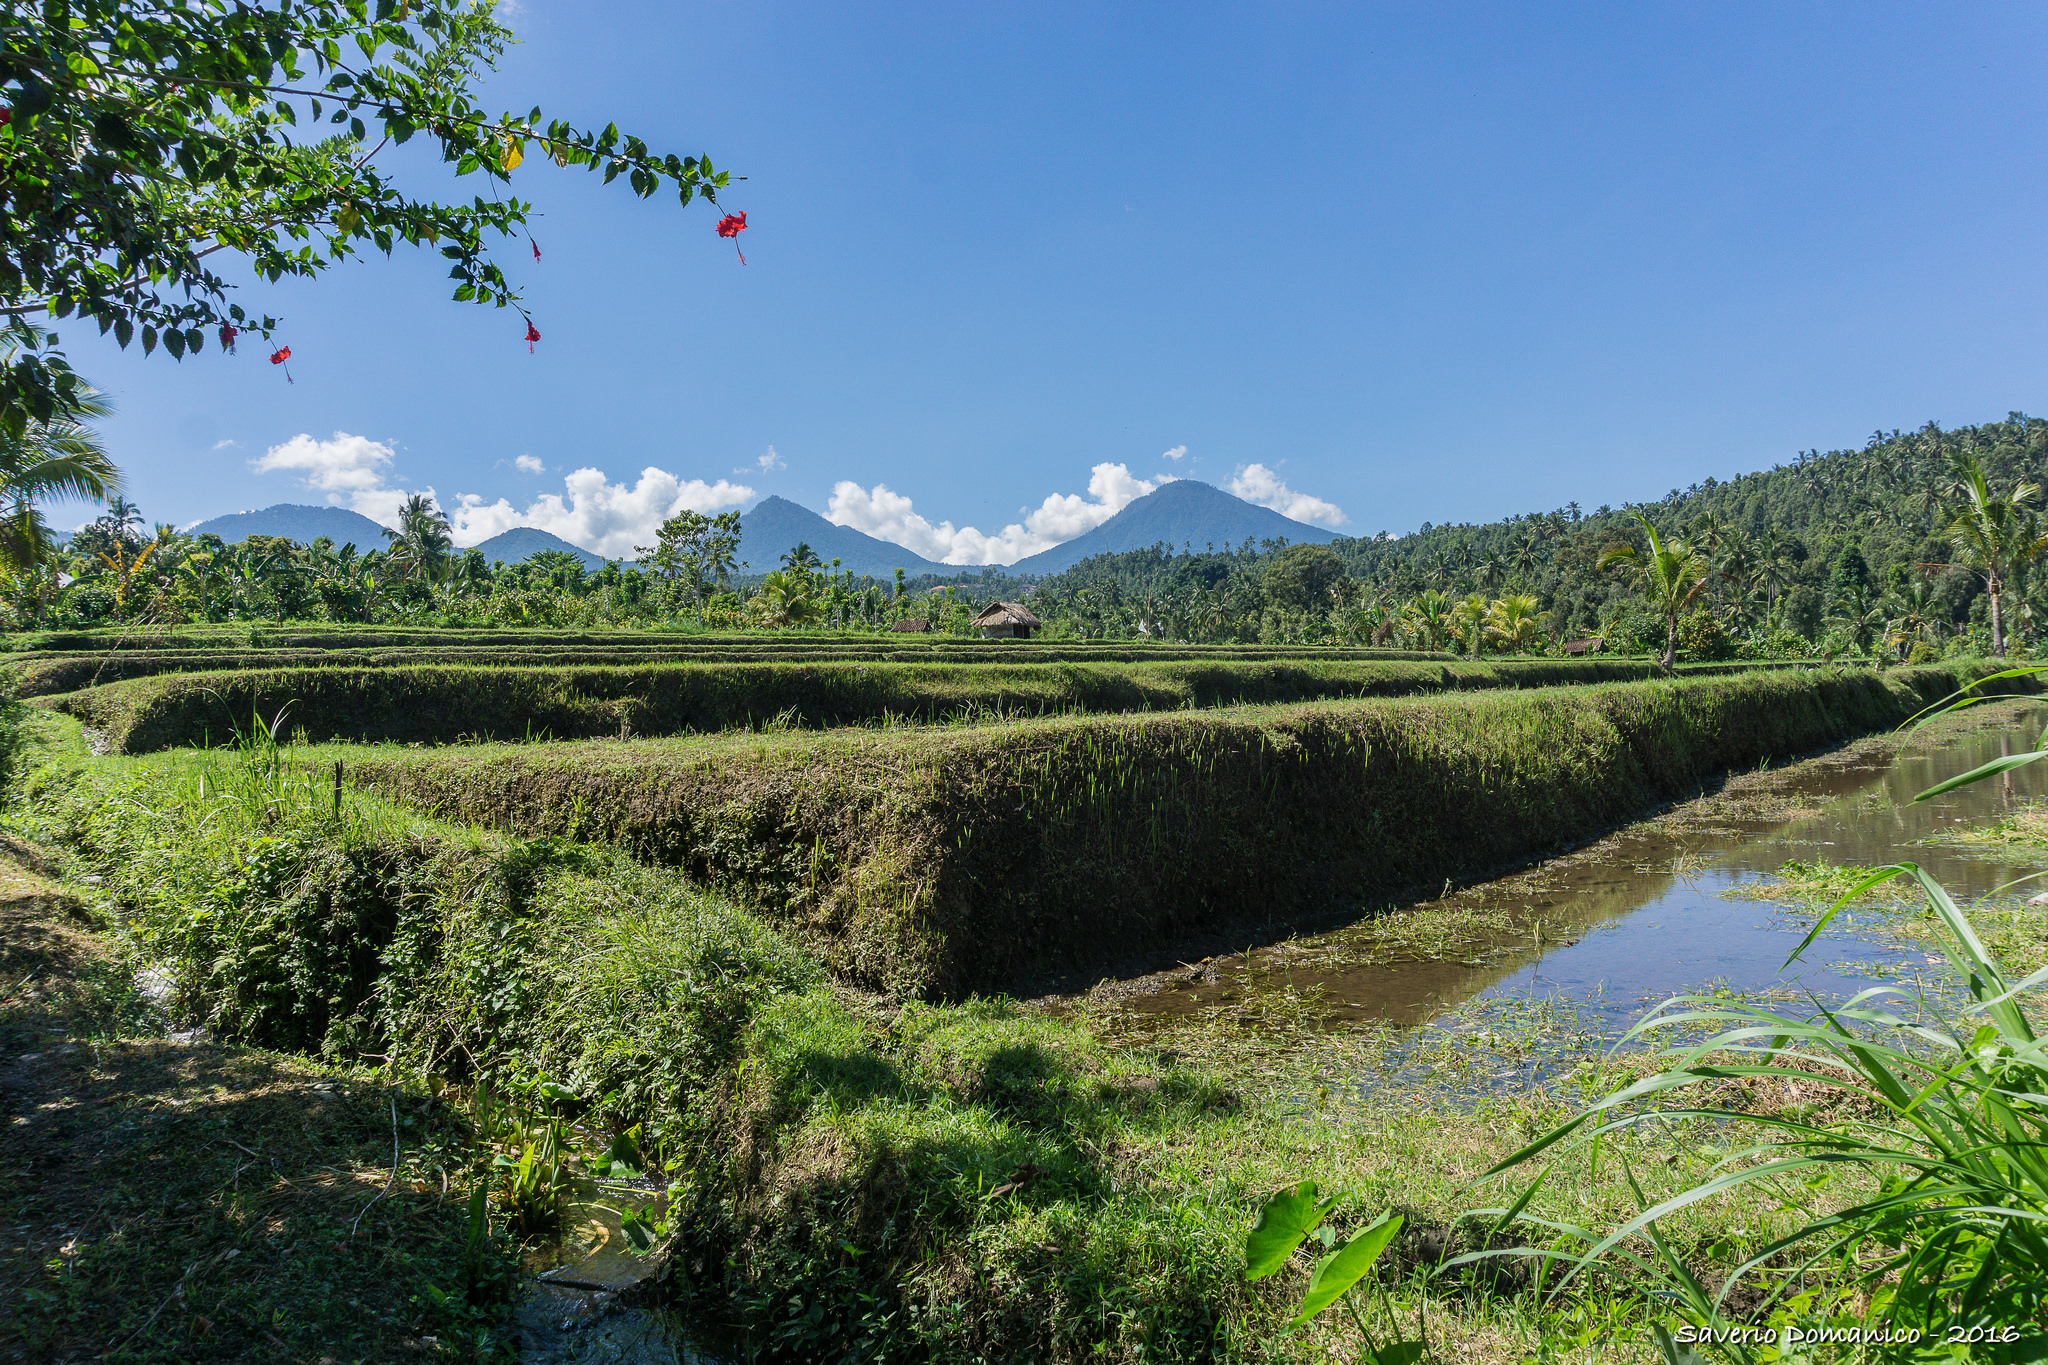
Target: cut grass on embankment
{"x":855,"y":1178}
{"x":49,"y":675}
{"x":940,"y":862}
{"x":447,"y":704}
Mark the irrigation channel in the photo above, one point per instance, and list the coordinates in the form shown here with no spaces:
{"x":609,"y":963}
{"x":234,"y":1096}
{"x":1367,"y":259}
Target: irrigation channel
{"x":1605,"y":932}
{"x":1671,"y":905}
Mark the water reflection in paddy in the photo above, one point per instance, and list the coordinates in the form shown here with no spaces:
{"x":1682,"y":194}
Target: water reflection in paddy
{"x":1660,"y":909}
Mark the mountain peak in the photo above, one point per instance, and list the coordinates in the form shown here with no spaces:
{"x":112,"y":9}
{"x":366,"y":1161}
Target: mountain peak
{"x":775,"y":525}
{"x":1186,"y":512}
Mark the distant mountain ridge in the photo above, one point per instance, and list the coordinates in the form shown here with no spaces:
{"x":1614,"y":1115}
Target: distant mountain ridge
{"x":776,"y":525}
{"x":522,"y":543}
{"x":1184,"y":513}
{"x":294,"y":521}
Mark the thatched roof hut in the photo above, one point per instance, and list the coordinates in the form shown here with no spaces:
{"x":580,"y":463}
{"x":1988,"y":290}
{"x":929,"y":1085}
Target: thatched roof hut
{"x":1007,"y":620}
{"x":909,"y":625}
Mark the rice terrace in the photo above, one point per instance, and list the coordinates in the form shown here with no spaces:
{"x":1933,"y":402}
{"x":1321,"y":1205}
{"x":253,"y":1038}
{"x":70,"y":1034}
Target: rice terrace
{"x":657,"y":920}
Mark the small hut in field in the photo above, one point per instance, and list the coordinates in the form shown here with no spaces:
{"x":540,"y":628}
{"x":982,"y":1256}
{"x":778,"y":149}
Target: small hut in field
{"x":1007,"y":621}
{"x":910,"y":626}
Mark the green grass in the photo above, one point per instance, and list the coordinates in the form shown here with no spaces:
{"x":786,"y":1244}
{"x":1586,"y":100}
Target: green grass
{"x":945,"y":861}
{"x":171,"y":1201}
{"x":52,"y":673}
{"x":444,"y":704}
{"x":836,"y":1156}
{"x":243,"y":636}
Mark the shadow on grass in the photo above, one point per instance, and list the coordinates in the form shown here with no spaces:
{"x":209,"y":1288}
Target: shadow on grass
{"x":168,"y":1202}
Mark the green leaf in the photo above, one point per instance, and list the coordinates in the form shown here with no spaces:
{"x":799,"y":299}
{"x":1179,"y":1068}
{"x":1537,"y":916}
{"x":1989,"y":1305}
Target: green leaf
{"x":1343,"y":1267}
{"x":1289,"y":1216}
{"x":622,"y":1162}
{"x":1673,"y":1353}
{"x":1400,"y":1353}
{"x":1991,"y":769}
{"x":559,"y":1093}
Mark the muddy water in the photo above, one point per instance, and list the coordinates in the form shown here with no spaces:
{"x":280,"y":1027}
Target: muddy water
{"x":1661,"y":908}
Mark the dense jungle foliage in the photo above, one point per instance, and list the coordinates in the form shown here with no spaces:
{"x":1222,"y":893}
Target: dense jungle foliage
{"x":1907,"y":548}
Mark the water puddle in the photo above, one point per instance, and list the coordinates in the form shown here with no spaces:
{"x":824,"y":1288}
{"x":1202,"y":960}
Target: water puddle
{"x":586,"y":1299}
{"x":1661,"y":908}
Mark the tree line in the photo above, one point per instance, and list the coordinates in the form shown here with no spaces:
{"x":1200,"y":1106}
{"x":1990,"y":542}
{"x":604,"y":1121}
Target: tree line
{"x":1918,"y":545}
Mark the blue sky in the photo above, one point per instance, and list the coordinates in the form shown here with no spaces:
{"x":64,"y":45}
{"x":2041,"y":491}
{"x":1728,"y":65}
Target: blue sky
{"x":1384,"y":264}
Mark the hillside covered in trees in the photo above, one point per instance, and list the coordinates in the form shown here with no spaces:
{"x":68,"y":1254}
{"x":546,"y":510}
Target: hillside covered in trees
{"x":1844,"y":550}
{"x":1888,"y":551}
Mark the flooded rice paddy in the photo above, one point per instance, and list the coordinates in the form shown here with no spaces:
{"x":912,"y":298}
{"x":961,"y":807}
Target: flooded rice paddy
{"x":1675,"y":904}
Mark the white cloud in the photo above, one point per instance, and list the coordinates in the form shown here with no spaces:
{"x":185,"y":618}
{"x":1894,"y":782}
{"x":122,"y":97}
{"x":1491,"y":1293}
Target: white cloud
{"x":1175,"y":454}
{"x":887,"y":514}
{"x":350,"y":470}
{"x":769,"y":462}
{"x":1256,"y":483}
{"x":603,"y":517}
{"x":591,"y":511}
{"x":225,"y":444}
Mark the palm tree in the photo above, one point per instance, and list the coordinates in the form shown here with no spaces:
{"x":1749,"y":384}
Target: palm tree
{"x":62,"y":458}
{"x":801,"y":558}
{"x":1523,"y":555}
{"x":1514,"y":624}
{"x":1773,"y":568}
{"x":420,"y":545}
{"x":1669,"y":576}
{"x":1468,"y":622}
{"x":1995,"y":536}
{"x":784,"y":599}
{"x":1429,"y":618}
{"x":1860,"y":618}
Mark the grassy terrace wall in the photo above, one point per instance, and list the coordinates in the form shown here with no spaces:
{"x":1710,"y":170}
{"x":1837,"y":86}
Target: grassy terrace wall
{"x":945,"y":862}
{"x":839,"y":1159}
{"x":442,"y":704}
{"x":40,"y":675}
{"x":299,"y":636}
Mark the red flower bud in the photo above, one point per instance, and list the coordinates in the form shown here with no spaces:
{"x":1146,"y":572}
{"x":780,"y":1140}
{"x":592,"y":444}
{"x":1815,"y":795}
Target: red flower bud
{"x":536,"y":247}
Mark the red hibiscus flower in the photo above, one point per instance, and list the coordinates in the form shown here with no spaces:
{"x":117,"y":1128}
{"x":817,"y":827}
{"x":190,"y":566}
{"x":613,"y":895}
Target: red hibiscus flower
{"x":732,"y":225}
{"x":278,"y":357}
{"x":227,"y":337}
{"x":532,"y":335}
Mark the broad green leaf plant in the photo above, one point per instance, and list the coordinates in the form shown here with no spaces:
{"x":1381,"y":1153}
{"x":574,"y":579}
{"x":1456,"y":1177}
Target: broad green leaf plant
{"x":1291,"y":1217}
